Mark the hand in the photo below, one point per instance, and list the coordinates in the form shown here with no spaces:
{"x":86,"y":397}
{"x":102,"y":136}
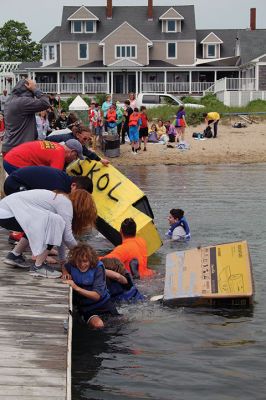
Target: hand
{"x":70,"y":283}
{"x":66,"y":276}
{"x":105,"y":162}
{"x":30,"y":85}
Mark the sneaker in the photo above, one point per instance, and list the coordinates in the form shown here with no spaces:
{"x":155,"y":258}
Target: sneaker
{"x":16,"y":261}
{"x":46,"y":271}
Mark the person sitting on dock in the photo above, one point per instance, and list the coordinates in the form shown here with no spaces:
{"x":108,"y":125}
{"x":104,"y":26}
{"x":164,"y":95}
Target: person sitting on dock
{"x":86,"y":275}
{"x":179,"y":228}
{"x":133,"y":250}
{"x":119,"y":281}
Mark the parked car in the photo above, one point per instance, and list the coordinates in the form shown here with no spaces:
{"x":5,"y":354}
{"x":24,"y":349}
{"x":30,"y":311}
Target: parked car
{"x":160,"y":99}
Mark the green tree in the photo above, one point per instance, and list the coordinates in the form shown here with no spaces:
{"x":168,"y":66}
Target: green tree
{"x":16,"y":44}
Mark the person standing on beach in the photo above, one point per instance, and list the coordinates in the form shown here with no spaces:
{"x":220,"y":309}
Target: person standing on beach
{"x":20,"y":108}
{"x":212,"y":118}
{"x":181,"y":123}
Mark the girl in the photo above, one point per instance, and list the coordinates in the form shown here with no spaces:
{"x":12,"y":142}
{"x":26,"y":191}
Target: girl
{"x":161,"y":129}
{"x":48,"y":219}
{"x":153,"y":137}
{"x":134,"y":125}
{"x":43,"y":125}
{"x":86,"y":275}
{"x":179,"y":228}
{"x":181,"y":123}
{"x":132,"y":99}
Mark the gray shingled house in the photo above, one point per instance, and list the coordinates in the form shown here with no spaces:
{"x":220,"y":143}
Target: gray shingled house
{"x":147,"y":49}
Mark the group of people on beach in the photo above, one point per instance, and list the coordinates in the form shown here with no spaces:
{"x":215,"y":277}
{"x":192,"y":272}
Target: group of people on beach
{"x":50,"y":210}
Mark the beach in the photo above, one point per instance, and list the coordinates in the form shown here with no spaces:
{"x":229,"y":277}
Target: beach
{"x":233,"y":145}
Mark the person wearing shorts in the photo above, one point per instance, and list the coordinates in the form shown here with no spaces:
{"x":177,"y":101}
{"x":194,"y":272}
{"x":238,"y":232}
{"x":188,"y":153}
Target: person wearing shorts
{"x":181,"y":123}
{"x":143,"y":130}
{"x":134,"y":125}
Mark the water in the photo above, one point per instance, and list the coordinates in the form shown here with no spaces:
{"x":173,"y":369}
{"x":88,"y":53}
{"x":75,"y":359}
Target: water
{"x":154,"y":352}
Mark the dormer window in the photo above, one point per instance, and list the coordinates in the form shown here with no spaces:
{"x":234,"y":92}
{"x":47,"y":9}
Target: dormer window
{"x":83,"y":26}
{"x":89,"y":26}
{"x":211,"y":51}
{"x":77,"y":26}
{"x":171,"y":25}
{"x":211,"y":46}
{"x":171,"y":21}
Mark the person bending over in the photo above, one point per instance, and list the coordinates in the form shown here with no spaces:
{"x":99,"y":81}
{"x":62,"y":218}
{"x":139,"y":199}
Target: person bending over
{"x":133,"y":250}
{"x":179,"y":228}
{"x":86,"y":275}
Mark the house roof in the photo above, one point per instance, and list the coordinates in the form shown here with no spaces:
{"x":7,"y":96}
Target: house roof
{"x":134,"y":15}
{"x":228,"y":37}
{"x":24,"y":65}
{"x":252,"y":44}
{"x":225,"y":62}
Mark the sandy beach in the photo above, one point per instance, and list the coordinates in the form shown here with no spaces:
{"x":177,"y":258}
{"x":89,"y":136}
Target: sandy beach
{"x":233,"y":145}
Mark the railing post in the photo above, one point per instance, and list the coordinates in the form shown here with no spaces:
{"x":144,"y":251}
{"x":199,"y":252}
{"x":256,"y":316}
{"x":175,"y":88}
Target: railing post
{"x":58,"y":82}
{"x":165,"y":81}
{"x":83,"y":82}
{"x":225,"y":83}
{"x":140,"y":81}
{"x":190,"y":82}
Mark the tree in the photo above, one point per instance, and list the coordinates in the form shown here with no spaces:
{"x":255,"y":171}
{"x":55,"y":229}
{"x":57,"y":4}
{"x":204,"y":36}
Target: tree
{"x":16,"y":44}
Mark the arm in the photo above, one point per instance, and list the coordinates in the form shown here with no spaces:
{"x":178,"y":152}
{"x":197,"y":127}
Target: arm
{"x":65,"y":210}
{"x":116,"y":276}
{"x":89,"y":294}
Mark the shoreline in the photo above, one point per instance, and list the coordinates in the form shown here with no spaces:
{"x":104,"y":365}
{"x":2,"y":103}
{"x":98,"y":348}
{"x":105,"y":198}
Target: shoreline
{"x":232,"y":146}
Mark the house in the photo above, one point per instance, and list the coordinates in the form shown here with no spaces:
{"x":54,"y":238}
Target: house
{"x":121,"y":49}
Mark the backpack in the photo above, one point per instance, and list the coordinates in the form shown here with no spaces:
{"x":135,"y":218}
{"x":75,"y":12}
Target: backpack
{"x":208,"y":132}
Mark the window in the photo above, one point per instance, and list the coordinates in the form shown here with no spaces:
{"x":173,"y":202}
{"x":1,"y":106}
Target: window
{"x":171,"y":53}
{"x":44,"y":52}
{"x":77,"y":26}
{"x":125,"y":51}
{"x":89,"y":26}
{"x":211,"y":50}
{"x":83,"y":51}
{"x":150,"y":99}
{"x":51,"y":53}
{"x":171,"y":26}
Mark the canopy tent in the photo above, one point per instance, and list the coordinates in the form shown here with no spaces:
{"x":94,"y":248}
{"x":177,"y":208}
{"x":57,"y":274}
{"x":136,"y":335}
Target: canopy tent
{"x":78,"y":104}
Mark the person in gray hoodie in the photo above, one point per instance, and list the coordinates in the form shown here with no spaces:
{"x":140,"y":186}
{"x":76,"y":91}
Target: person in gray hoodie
{"x":20,"y":108}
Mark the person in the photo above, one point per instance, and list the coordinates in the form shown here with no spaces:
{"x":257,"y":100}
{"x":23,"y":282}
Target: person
{"x":120,"y":282}
{"x":3,"y":99}
{"x":43,"y":177}
{"x":134,"y":125}
{"x":42,"y":152}
{"x":20,"y":108}
{"x":119,"y":114}
{"x":143,"y":130}
{"x":72,"y":119}
{"x":111,"y":120}
{"x":51,"y":117}
{"x":43,"y":126}
{"x":86,"y":275}
{"x":212,"y":118}
{"x":61,"y":122}
{"x":48,"y":219}
{"x":125,"y":127}
{"x":152,"y":136}
{"x":161,"y":129}
{"x":91,"y":116}
{"x":172,"y":134}
{"x":83,"y":135}
{"x":53,"y":101}
{"x":133,"y":250}
{"x":132,"y":100}
{"x":179,"y":228}
{"x":2,"y":126}
{"x":181,"y":123}
{"x":105,"y":107}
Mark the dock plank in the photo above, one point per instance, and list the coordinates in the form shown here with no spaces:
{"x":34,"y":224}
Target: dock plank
{"x":34,"y":345}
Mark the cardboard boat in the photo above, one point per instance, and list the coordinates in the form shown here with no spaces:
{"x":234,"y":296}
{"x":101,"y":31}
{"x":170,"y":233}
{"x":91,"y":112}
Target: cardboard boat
{"x":117,"y":198}
{"x":219,"y":275}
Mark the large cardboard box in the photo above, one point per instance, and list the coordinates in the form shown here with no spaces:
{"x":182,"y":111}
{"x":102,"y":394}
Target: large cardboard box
{"x":219,"y":275}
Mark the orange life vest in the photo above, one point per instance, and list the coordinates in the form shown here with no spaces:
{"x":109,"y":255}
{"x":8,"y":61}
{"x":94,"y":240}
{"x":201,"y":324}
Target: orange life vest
{"x":111,"y":115}
{"x":133,"y":119}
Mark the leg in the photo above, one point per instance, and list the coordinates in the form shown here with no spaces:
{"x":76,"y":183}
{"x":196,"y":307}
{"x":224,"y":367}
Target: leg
{"x":215,"y":129}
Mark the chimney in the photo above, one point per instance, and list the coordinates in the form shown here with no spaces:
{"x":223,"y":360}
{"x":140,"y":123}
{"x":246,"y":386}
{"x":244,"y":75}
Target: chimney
{"x":150,"y":10}
{"x":109,"y":7}
{"x":253,"y":19}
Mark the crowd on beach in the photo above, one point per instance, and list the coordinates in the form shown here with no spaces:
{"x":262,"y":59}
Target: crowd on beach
{"x":48,"y":212}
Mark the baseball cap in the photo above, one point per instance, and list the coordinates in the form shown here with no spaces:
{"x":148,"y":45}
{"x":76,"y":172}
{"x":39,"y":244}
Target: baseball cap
{"x":74,"y":144}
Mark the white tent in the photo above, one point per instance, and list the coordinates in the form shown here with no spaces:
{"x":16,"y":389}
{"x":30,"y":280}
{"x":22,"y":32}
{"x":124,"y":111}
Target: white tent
{"x":78,"y":104}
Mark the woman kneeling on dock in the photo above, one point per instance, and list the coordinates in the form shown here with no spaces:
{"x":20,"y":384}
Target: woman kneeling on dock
{"x":48,"y":219}
{"x":86,"y":275}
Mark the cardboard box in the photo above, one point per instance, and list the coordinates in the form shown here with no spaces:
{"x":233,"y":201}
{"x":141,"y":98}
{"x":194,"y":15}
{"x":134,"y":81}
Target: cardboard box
{"x":219,"y":275}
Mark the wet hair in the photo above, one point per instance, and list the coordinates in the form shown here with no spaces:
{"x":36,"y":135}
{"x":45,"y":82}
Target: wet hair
{"x":114,"y":265}
{"x":78,"y":128}
{"x":136,"y":109}
{"x":84,"y":211}
{"x":142,"y":108}
{"x":127,"y":102}
{"x":129,"y":227}
{"x":81,"y":252}
{"x":83,"y":182}
{"x":177,"y":213}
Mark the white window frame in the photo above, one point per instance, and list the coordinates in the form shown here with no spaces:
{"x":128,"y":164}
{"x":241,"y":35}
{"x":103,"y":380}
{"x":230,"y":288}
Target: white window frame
{"x":126,"y":46}
{"x":207,"y":50}
{"x":167,"y":51}
{"x":175,"y":30}
{"x":82,"y":58}
{"x":54,"y":50}
{"x":45,"y":53}
{"x":94,"y":26}
{"x":83,"y":26}
{"x":73,"y":26}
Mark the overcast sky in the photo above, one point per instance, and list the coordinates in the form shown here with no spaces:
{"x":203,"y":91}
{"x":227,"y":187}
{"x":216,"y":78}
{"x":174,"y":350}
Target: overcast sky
{"x":41,"y":16}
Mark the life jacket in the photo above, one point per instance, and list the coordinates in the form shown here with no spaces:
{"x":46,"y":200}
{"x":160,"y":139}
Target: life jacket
{"x":120,"y":293}
{"x":111,"y":115}
{"x":134,"y":119}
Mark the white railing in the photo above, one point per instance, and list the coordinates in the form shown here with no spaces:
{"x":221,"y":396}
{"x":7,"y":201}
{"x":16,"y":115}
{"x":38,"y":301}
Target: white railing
{"x":231,"y":84}
{"x":48,"y":87}
{"x":8,"y":66}
{"x":95,"y":87}
{"x":73,"y":88}
{"x":176,"y":87}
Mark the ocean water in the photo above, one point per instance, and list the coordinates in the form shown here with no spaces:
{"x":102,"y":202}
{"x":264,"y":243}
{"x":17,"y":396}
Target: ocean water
{"x":160,"y":353}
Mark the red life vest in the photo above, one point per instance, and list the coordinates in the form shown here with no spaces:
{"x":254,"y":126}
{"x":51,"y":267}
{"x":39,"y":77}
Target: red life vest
{"x":111,"y":115}
{"x":133,"y":119}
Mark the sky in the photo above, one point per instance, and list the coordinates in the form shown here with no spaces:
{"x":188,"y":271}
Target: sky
{"x":41,"y":16}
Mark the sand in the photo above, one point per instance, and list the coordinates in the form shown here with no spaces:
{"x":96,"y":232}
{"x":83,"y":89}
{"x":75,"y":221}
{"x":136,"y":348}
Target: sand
{"x":233,"y":145}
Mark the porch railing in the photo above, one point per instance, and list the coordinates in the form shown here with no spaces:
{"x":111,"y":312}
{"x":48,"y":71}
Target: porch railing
{"x":231,"y":84}
{"x":176,"y":87}
{"x":73,"y":88}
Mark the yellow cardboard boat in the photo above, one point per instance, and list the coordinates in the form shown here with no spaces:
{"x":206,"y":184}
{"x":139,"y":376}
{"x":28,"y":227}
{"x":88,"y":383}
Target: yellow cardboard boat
{"x":117,"y":198}
{"x":218,"y":275}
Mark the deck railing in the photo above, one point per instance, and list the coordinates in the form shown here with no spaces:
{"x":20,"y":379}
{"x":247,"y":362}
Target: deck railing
{"x":232,"y":84}
{"x":73,"y":88}
{"x":176,"y":87}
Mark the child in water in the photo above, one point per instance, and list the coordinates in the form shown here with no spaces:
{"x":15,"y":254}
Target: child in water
{"x":86,"y":275}
{"x":179,"y":228}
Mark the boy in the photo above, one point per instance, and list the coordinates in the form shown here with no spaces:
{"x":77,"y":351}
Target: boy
{"x":143,"y":130}
{"x":134,"y":125}
{"x":179,"y":228}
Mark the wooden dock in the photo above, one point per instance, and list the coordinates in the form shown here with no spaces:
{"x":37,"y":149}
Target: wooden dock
{"x":35,"y":347}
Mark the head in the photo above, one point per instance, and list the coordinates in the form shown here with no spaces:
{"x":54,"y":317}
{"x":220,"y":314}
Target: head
{"x":72,"y":118}
{"x":181,"y":108}
{"x":131,"y":96}
{"x":63,"y":114}
{"x":82,"y":134}
{"x":167,"y":123}
{"x":204,"y":115}
{"x":160,"y":122}
{"x":175,"y":215}
{"x":153,"y":127}
{"x":114,"y":264}
{"x":108,"y":98}
{"x":113,"y":107}
{"x":73,"y":150}
{"x":127,"y":103}
{"x":92,"y":105}
{"x":5,"y":92}
{"x":81,"y":182}
{"x":83,"y":257}
{"x":43,"y":114}
{"x":143,"y":109}
{"x":84,"y":211}
{"x":128,"y":228}
{"x":136,"y":110}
